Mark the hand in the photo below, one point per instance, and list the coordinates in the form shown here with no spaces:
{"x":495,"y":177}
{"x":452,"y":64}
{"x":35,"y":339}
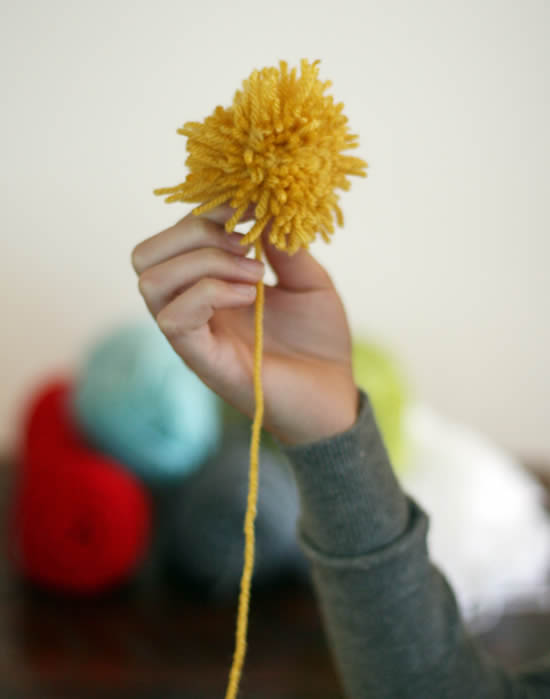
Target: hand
{"x":189,"y":277}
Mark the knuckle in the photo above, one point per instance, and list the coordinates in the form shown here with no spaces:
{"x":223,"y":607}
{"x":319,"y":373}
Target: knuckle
{"x":218,"y":258}
{"x":210,"y":233}
{"x":146,"y":285}
{"x":201,"y":226}
{"x":328,"y":278}
{"x":137,"y":258}
{"x":168,"y":326}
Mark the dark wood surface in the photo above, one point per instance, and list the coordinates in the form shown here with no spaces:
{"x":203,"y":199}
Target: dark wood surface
{"x":147,"y":641}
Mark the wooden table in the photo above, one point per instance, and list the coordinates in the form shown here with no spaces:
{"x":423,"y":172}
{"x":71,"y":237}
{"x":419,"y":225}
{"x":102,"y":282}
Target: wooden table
{"x":147,"y":641}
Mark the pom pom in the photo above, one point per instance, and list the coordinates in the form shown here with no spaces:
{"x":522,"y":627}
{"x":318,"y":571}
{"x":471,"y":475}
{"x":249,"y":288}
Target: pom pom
{"x":203,"y":523}
{"x":278,"y":146}
{"x":378,"y":373}
{"x":137,"y":401}
{"x":81,"y":522}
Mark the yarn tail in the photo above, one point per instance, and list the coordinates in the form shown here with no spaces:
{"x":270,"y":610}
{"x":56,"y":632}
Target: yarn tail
{"x":244,"y":598}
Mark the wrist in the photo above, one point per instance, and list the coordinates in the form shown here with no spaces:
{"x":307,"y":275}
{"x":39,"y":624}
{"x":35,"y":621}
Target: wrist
{"x":336,"y":423}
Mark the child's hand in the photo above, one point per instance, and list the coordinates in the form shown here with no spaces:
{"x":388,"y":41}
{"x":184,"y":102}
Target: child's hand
{"x":189,"y":276}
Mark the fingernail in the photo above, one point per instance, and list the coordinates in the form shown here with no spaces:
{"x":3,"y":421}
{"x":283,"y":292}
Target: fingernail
{"x":235,"y":241}
{"x":251,"y":264}
{"x":245,"y":289}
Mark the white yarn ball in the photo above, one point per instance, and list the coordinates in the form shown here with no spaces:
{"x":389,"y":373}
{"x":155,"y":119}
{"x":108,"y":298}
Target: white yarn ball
{"x":489,"y":532}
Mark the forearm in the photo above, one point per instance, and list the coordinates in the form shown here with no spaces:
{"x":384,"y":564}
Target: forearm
{"x":394,"y":628}
{"x":390,"y":616}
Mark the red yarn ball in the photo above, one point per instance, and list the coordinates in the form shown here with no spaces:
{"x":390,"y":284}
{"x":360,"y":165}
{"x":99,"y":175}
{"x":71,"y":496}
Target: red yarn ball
{"x":81,"y":521}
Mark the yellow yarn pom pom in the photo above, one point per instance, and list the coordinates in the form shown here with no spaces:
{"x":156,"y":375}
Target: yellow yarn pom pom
{"x":278,"y":146}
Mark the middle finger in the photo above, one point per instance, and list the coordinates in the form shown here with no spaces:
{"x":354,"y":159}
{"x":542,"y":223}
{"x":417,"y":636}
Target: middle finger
{"x":161,"y":283}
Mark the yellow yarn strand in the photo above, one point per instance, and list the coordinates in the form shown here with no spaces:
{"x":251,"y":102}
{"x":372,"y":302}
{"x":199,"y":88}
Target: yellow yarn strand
{"x":244,"y":597}
{"x":279,"y":146}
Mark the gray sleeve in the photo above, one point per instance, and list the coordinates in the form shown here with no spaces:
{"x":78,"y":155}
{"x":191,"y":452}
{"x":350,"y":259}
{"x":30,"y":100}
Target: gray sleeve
{"x":391,"y":619}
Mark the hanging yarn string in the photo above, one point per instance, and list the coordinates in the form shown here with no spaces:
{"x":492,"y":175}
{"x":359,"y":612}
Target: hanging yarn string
{"x":278,"y":146}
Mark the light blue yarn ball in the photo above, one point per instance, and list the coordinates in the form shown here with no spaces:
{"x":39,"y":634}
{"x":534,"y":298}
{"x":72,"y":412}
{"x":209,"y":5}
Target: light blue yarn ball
{"x":136,"y":400}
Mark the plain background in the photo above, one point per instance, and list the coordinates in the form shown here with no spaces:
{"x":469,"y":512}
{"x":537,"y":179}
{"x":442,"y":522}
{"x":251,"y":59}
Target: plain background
{"x":445,"y":251}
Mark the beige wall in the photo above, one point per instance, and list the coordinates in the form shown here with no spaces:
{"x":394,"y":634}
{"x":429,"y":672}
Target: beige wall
{"x":445,"y":251}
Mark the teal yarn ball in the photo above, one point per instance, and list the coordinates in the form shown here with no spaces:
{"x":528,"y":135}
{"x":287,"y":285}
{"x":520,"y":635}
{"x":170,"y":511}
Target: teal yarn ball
{"x":135,"y":399}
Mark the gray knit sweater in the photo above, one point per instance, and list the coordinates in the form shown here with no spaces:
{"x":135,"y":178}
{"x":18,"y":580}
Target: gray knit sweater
{"x":390,"y":616}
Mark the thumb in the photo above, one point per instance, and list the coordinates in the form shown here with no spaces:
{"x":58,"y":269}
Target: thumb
{"x":297,"y":272}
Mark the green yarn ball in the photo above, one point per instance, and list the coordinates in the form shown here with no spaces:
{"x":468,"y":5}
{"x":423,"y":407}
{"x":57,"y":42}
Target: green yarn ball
{"x":379,"y":374}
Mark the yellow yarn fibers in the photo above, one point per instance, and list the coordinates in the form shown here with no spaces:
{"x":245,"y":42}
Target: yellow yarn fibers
{"x":278,"y":146}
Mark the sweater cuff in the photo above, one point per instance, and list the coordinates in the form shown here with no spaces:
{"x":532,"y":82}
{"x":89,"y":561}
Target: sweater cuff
{"x":351,"y":501}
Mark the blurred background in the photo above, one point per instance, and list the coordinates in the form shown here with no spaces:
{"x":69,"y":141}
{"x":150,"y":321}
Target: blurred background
{"x":444,"y":254}
{"x":442,"y":264}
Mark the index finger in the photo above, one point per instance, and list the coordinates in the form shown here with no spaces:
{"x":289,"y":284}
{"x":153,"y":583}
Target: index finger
{"x":186,"y":234}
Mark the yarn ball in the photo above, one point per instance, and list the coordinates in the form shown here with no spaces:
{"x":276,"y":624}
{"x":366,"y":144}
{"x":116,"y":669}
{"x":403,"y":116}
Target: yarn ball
{"x":379,"y":374}
{"x":38,"y":443}
{"x":203,"y":524}
{"x":279,"y":145}
{"x":137,"y":401}
{"x":489,"y":526}
{"x":81,"y":523}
